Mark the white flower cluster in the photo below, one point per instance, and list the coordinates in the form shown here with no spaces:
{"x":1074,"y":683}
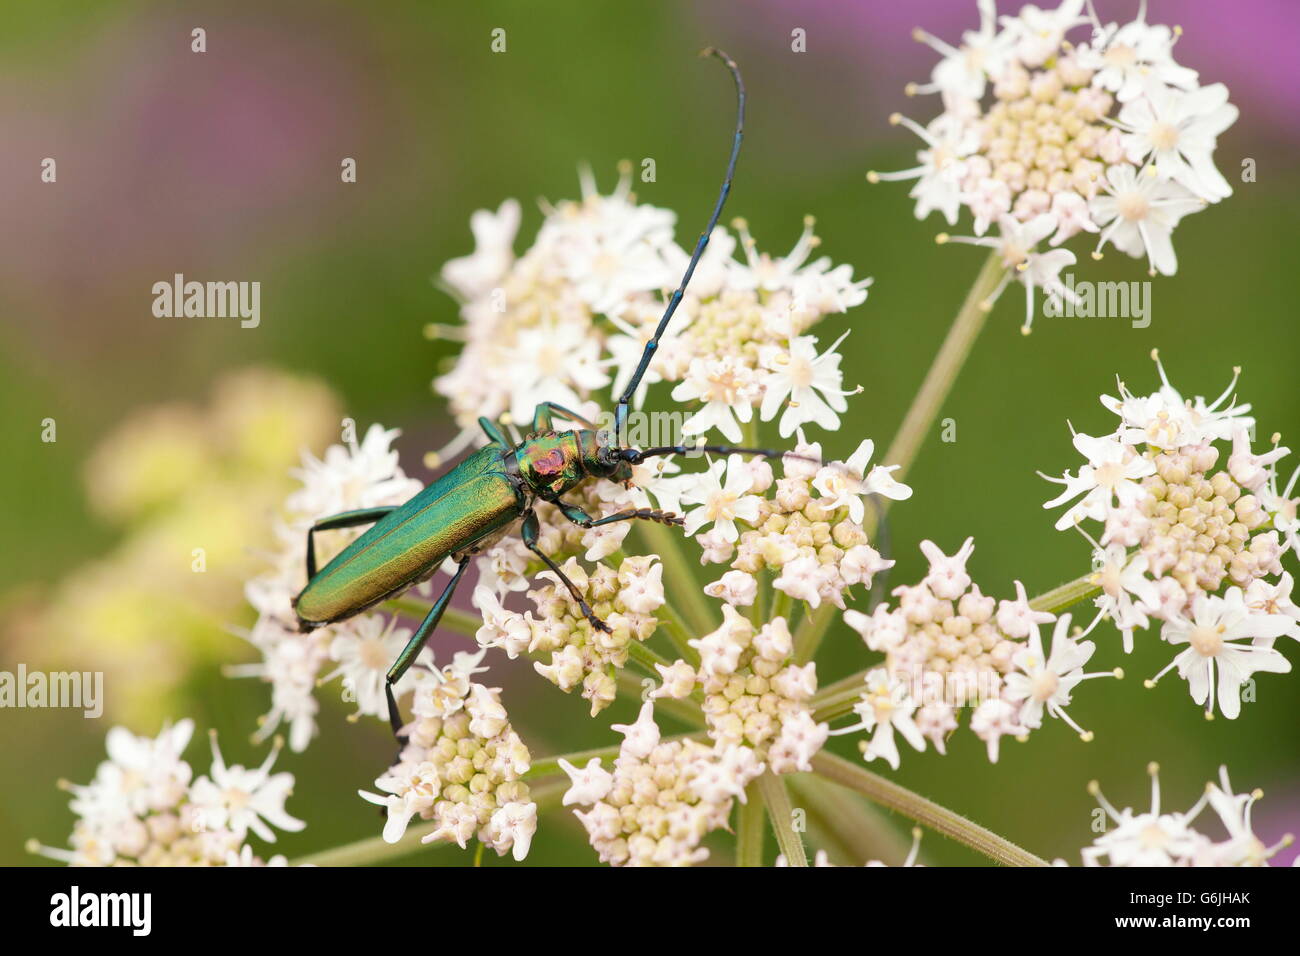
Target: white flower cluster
{"x":144,"y":807}
{"x":1185,"y":542}
{"x":807,"y":525}
{"x":349,"y":476}
{"x":662,"y":796}
{"x":462,"y":766}
{"x":947,"y":647}
{"x":754,"y":693}
{"x":1156,"y":838}
{"x":1048,"y":138}
{"x":571,"y":316}
{"x":577,"y":654}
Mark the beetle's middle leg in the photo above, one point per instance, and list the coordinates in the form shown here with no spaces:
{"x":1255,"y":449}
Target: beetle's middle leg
{"x":416,"y":644}
{"x":528,"y":532}
{"x":584,"y":520}
{"x":346,"y":519}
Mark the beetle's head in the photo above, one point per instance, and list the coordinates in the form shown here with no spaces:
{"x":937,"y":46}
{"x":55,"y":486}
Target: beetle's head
{"x":604,"y":459}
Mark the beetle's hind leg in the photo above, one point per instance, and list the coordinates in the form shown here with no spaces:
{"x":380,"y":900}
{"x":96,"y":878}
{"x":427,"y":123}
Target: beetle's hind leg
{"x":416,"y":644}
{"x":346,"y":519}
{"x":528,"y":532}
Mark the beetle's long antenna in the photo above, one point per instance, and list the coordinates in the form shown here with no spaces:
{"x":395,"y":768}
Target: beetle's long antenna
{"x":637,"y":455}
{"x":620,"y":413}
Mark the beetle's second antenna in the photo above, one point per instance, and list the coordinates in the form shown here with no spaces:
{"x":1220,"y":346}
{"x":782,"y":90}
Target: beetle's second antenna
{"x":620,"y":413}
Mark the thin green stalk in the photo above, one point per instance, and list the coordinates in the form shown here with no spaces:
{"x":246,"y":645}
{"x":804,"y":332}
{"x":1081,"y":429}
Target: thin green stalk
{"x":850,"y":829}
{"x":838,"y":702}
{"x":646,"y":657}
{"x":749,"y":828}
{"x":781,"y":814}
{"x":782,"y":606}
{"x":1069,"y":593}
{"x":372,"y":850}
{"x":680,"y":585}
{"x":944,"y":370}
{"x":679,"y":634}
{"x":923,"y":811}
{"x":811,"y":630}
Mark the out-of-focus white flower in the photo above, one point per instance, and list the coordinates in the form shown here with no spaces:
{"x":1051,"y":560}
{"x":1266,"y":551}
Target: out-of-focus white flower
{"x":238,"y":799}
{"x":349,"y":476}
{"x":144,"y":809}
{"x":365,"y":648}
{"x":1156,"y":838}
{"x":494,"y":234}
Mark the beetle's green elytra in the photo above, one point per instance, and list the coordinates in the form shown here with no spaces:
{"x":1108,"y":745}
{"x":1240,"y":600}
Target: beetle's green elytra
{"x":481,"y":498}
{"x":471,"y":502}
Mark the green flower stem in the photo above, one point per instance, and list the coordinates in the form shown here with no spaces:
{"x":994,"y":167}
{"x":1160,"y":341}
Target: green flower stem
{"x":680,"y":586}
{"x":646,"y":657}
{"x":548,"y":766}
{"x":687,"y":711}
{"x":372,"y":850}
{"x":782,"y":606}
{"x":674,"y":626}
{"x":749,"y":828}
{"x":453,"y":619}
{"x":850,"y":829}
{"x":923,"y":811}
{"x":763,"y":602}
{"x":837,"y":700}
{"x":945,"y":369}
{"x":1069,"y":593}
{"x":781,"y":814}
{"x":811,"y":630}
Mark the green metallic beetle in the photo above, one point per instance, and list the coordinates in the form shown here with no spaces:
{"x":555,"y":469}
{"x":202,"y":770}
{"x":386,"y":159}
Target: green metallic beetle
{"x":479,"y":500}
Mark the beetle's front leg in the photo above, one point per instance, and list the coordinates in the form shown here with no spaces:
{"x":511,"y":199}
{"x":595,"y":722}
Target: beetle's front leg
{"x":584,"y":520}
{"x":528,"y":532}
{"x":416,"y":644}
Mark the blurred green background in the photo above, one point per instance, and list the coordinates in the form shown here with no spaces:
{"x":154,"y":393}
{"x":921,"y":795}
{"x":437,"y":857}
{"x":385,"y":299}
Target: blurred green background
{"x":225,"y":165}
